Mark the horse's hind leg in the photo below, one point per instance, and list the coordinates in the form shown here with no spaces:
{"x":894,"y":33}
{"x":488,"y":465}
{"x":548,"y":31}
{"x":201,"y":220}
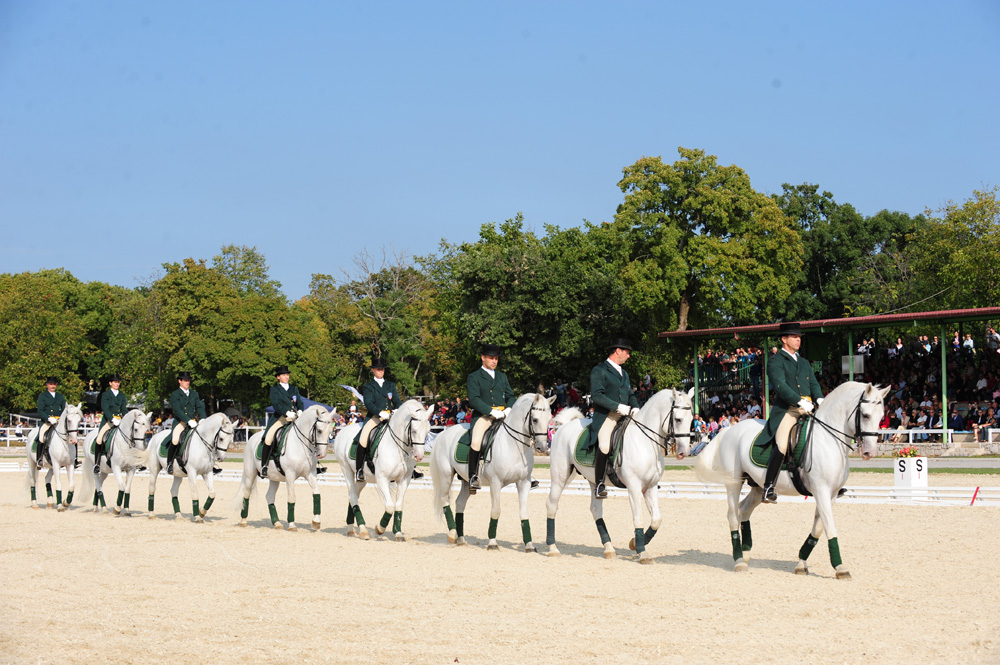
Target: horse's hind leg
{"x":558,"y":479}
{"x":494,"y":515}
{"x":128,"y":492}
{"x":460,"y":502}
{"x":652,"y":497}
{"x":523,"y":488}
{"x":272,"y":490}
{"x":807,"y":547}
{"x":196,"y":514}
{"x":71,"y":472}
{"x":317,"y":501}
{"x":33,"y":480}
{"x":49,"y":503}
{"x":174,"y":501}
{"x":747,"y":506}
{"x":246,"y":489}
{"x":58,"y":483}
{"x":733,"y":499}
{"x":597,"y":510}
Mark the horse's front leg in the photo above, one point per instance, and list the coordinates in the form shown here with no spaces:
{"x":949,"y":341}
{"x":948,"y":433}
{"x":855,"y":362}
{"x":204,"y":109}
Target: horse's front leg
{"x":397,"y":513}
{"x":120,"y":479}
{"x":128,"y":492}
{"x":495,"y":488}
{"x":384,"y":491}
{"x":652,"y":497}
{"x":558,"y":479}
{"x":58,"y":483}
{"x":247,"y":483}
{"x":807,"y":547}
{"x":733,"y":514}
{"x":824,"y":506}
{"x":192,"y":478}
{"x":314,"y":486}
{"x":175,"y":502}
{"x":33,"y":478}
{"x":354,"y":514}
{"x":49,"y":503}
{"x":523,"y":489}
{"x":71,"y":473}
{"x":154,"y":473}
{"x":635,"y":503}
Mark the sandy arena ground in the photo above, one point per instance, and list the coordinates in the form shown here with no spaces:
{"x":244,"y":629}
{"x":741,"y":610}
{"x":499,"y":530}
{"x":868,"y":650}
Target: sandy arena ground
{"x":80,"y":587}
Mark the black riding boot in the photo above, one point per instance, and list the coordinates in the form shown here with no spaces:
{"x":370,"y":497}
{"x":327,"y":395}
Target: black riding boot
{"x":773,"y":469}
{"x":171,"y":454}
{"x":359,"y":468}
{"x":474,"y":469}
{"x":265,"y":457}
{"x":600,"y":468}
{"x":98,"y":452}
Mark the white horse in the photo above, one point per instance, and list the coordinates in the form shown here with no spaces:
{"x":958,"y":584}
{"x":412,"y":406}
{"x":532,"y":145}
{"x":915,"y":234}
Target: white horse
{"x":401,"y":447}
{"x":510,"y":460}
{"x":64,"y":435}
{"x":208,"y":444}
{"x":306,"y":443}
{"x":663,"y":421}
{"x":126,"y":452}
{"x":851,"y":413}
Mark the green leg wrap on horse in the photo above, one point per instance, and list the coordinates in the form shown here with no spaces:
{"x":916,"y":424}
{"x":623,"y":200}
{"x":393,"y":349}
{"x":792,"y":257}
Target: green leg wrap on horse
{"x":195,"y":510}
{"x":246,"y":508}
{"x":449,"y":517}
{"x":460,"y":524}
{"x":807,"y":547}
{"x":397,"y":521}
{"x":834,"y":552}
{"x":208,"y":503}
{"x":525,"y":531}
{"x":58,"y":496}
{"x":316,"y":504}
{"x":128,"y":495}
{"x":648,"y":536}
{"x":150,"y":503}
{"x":100,"y":496}
{"x":121,"y":497}
{"x":33,"y":495}
{"x":358,"y":517}
{"x":69,"y":497}
{"x":602,"y":529}
{"x":640,"y":541}
{"x":747,"y":539}
{"x":550,"y":531}
{"x":176,"y":503}
{"x":493,"y":527}
{"x":350,"y":514}
{"x":384,"y":522}
{"x":737,"y":550}
{"x":48,"y":489}
{"x":291,"y":512}
{"x":273,"y":512}
{"x":95,"y":498}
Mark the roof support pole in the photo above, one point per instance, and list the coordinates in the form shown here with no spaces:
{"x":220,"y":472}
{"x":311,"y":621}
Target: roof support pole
{"x":696,"y":371}
{"x":944,"y":388}
{"x":850,"y":355}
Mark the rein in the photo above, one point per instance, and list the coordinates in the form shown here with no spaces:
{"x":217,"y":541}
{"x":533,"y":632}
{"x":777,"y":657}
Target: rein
{"x":214,"y":446}
{"x":309,"y":441}
{"x":530,"y":435}
{"x":844,"y":437}
{"x":664,"y":440}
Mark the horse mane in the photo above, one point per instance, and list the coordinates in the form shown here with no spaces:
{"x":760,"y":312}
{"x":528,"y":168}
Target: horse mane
{"x":566,"y":415}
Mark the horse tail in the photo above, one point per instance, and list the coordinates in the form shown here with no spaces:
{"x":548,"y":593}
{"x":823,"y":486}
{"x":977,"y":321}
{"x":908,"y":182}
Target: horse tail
{"x":87,"y":471}
{"x":704,"y":466}
{"x":566,"y":415}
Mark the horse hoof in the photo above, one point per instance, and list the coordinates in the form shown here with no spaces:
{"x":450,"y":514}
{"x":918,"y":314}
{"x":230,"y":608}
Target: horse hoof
{"x":746,"y":555}
{"x":379,"y":530}
{"x":400,"y":538}
{"x":461,"y":541}
{"x":741,"y":566}
{"x":243,"y":522}
{"x":315,"y":526}
{"x":492,"y":547}
{"x":50,"y":505}
{"x":645,"y":558}
{"x":610,"y":554}
{"x":278,"y":526}
{"x":178,"y":517}
{"x":529,"y":548}
{"x":118,"y":511}
{"x":292,"y":527}
{"x":152,"y":516}
{"x":553,"y":551}
{"x":61,"y":508}
{"x":452,"y":538}
{"x":35,"y":506}
{"x":801,"y":569}
{"x":351,"y":531}
{"x":202,"y":513}
{"x":843,"y":575}
{"x":631,"y":544}
{"x":363,"y":535}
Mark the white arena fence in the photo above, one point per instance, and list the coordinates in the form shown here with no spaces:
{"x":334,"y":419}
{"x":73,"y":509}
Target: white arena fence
{"x":925,"y":496}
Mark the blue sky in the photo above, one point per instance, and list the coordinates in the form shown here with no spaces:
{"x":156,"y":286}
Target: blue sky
{"x":135,"y":133}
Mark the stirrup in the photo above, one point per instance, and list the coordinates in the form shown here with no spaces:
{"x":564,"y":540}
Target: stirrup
{"x":600,"y":491}
{"x":770,"y":496}
{"x":263,"y":471}
{"x":359,"y":475}
{"x":534,"y":483}
{"x":97,"y":469}
{"x":474,"y":482}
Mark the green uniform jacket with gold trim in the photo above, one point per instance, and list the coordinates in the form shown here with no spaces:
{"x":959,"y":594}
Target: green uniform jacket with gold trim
{"x":791,"y":380}
{"x":112,"y":405}
{"x":380,"y":398}
{"x":50,"y":406}
{"x":608,"y":389}
{"x":486,"y":392}
{"x":283,"y":401}
{"x":186,"y":407}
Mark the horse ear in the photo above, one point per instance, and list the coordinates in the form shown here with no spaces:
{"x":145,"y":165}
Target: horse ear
{"x":690,"y":393}
{"x":552,"y":400}
{"x":430,"y":410}
{"x":80,"y":405}
{"x":149,"y":416}
{"x":886,"y":390}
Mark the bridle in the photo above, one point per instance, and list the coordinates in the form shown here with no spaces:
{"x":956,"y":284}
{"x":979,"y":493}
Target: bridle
{"x":664,"y":441}
{"x":408,"y":442}
{"x":527,"y":438}
{"x":844,"y":437}
{"x":214,"y":446}
{"x":312,"y":440}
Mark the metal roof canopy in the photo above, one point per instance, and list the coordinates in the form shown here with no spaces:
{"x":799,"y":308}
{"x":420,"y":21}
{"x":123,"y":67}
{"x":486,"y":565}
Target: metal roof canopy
{"x":912,"y":319}
{"x":848,"y":324}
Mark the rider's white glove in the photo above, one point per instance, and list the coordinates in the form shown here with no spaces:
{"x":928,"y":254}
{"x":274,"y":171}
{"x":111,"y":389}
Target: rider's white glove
{"x":53,"y":420}
{"x":116,"y":421}
{"x":290,"y":415}
{"x":819,"y":400}
{"x":497,"y":414}
{"x":624,"y":409}
{"x":192,"y":423}
{"x":806,"y":405}
{"x":384,"y":415}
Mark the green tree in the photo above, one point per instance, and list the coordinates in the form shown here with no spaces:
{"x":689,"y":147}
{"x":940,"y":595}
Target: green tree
{"x":247,"y":271}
